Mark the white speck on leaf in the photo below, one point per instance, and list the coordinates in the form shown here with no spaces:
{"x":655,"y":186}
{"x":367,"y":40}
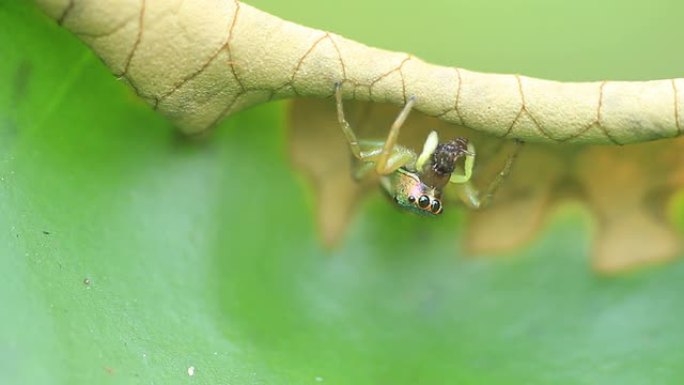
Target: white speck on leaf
{"x":191,"y":371}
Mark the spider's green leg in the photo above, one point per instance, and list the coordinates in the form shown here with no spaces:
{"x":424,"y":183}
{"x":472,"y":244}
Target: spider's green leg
{"x":362,"y":170}
{"x":502,"y":175}
{"x":429,"y":147}
{"x":346,"y":128}
{"x":383,"y":157}
{"x":468,"y":170}
{"x":371,"y":151}
{"x":382,"y":165}
{"x":469,"y":194}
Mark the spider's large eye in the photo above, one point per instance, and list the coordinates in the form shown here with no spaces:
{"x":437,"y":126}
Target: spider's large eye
{"x":424,"y":201}
{"x":436,"y":206}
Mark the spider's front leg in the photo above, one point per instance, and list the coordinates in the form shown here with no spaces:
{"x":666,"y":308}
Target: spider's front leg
{"x":383,"y":157}
{"x":385,"y":164}
{"x":346,"y":128}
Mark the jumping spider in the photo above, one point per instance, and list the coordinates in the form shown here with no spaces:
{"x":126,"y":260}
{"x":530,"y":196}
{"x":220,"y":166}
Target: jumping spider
{"x":416,"y":182}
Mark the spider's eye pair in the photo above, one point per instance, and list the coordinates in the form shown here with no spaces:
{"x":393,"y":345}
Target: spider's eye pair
{"x":424,"y":202}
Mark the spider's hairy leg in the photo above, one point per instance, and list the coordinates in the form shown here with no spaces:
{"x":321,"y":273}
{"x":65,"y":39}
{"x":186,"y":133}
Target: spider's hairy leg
{"x":383,"y":166}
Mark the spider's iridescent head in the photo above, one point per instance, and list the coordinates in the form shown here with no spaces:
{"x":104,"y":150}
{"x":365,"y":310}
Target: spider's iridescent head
{"x":411,"y":193}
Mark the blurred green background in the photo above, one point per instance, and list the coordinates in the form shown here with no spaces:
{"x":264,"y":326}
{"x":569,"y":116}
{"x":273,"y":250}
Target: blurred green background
{"x":130,"y":254}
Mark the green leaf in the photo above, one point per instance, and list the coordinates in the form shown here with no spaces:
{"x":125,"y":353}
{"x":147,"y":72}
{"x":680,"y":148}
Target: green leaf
{"x":131,"y":254}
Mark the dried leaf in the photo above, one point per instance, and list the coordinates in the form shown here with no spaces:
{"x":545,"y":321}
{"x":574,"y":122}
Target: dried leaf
{"x":200,"y":61}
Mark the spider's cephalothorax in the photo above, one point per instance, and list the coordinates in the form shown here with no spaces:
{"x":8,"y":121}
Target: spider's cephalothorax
{"x":415,"y":182}
{"x":408,"y":191}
